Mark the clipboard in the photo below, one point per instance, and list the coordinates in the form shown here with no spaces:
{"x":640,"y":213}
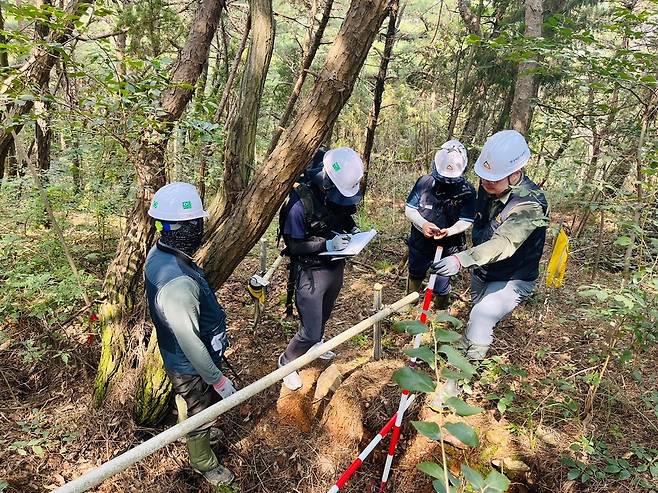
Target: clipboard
{"x":357,"y":243}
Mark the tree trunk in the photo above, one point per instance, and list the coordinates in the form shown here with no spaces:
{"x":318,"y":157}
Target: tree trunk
{"x":306,"y":65}
{"x":124,"y":273}
{"x":458,"y":97}
{"x":503,"y":118}
{"x":4,"y":62}
{"x":525,"y":88}
{"x":240,"y":150}
{"x":153,"y":386}
{"x":4,"y":58}
{"x":379,"y":91}
{"x":35,"y":71}
{"x":552,"y":160}
{"x":639,"y":178}
{"x":207,"y":147}
{"x":234,"y":233}
{"x":475,"y":113}
{"x":43,"y":137}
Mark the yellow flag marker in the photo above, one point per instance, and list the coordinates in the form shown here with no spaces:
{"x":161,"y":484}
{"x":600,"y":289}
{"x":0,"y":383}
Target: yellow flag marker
{"x":557,"y":265}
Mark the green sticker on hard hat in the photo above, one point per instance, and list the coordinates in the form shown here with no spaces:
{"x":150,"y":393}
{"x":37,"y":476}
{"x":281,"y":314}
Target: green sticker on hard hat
{"x":155,"y":204}
{"x":336,"y":166}
{"x":187,"y":204}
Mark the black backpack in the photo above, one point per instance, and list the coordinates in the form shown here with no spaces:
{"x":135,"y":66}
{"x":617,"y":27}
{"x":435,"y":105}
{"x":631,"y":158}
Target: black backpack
{"x":302,"y":185}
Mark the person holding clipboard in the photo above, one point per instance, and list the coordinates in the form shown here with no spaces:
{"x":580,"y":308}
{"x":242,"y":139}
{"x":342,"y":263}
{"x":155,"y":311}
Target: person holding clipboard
{"x":317,"y":218}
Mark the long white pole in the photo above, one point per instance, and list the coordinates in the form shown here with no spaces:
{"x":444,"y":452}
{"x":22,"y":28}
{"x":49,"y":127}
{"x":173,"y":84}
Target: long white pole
{"x":125,"y":460}
{"x":274,"y":267}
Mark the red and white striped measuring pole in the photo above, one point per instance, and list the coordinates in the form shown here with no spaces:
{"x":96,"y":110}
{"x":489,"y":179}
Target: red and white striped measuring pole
{"x":429,"y":292}
{"x":368,"y":450}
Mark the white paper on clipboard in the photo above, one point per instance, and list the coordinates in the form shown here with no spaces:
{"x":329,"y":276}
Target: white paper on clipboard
{"x":357,"y":243}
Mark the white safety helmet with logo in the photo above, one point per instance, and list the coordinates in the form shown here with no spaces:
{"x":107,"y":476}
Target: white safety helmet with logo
{"x":177,"y":201}
{"x":450,"y":161}
{"x":502,"y":154}
{"x":344,"y":167}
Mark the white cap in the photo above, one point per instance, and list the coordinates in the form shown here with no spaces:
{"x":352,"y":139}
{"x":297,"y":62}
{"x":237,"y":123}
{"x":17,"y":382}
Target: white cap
{"x":502,"y":154}
{"x":177,"y":201}
{"x":345,"y":169}
{"x":451,"y":160}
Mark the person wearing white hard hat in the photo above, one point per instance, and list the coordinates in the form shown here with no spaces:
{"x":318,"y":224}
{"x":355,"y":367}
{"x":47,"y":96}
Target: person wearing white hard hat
{"x":189,"y":322}
{"x":316,"y":218}
{"x":509,"y":232}
{"x":441,"y":207}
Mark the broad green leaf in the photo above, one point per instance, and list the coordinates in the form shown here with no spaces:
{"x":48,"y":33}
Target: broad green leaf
{"x":456,"y":359}
{"x":462,"y":408}
{"x":424,"y":353}
{"x":599,"y":294}
{"x":431,"y":469}
{"x":428,"y":428}
{"x":443,"y":335}
{"x":413,"y":380}
{"x":473,"y":477}
{"x":452,"y":374}
{"x":653,"y":469}
{"x":472,"y":39}
{"x":573,"y":474}
{"x":625,"y":300}
{"x":623,"y":241}
{"x":38,"y":450}
{"x":440,"y":487}
{"x":412,"y":327}
{"x":463,"y":433}
{"x":445,"y":317}
{"x":497,"y":481}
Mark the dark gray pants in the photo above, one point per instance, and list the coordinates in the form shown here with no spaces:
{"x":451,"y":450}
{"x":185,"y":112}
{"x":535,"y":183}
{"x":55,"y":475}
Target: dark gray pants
{"x":316,"y":292}
{"x":198,"y":396}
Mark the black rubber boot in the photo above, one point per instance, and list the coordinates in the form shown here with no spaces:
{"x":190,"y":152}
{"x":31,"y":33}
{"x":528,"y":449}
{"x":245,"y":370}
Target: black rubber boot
{"x":414,"y":285}
{"x":441,"y":301}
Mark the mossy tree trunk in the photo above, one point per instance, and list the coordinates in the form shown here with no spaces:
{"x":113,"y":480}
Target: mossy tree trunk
{"x":153,"y":386}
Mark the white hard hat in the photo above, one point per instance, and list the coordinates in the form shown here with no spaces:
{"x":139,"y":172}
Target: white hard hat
{"x":344,"y":168}
{"x":502,"y":154}
{"x":177,"y":201}
{"x":451,"y":160}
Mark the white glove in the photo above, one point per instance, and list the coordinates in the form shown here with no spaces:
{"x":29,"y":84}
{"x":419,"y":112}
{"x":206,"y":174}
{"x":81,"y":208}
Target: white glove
{"x":355,"y":230}
{"x":338,"y":242}
{"x":224,"y":387}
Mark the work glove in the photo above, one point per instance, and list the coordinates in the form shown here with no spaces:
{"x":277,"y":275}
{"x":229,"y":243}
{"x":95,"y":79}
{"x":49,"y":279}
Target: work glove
{"x":355,"y":230}
{"x":224,"y":387}
{"x":338,"y":242}
{"x":448,"y":266}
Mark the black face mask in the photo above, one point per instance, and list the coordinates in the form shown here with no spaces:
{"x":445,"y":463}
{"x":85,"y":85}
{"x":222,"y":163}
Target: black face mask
{"x":187,"y":238}
{"x":445,"y":180}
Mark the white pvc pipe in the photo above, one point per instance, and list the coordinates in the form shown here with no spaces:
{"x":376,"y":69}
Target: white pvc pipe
{"x":274,"y":267}
{"x":125,"y":460}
